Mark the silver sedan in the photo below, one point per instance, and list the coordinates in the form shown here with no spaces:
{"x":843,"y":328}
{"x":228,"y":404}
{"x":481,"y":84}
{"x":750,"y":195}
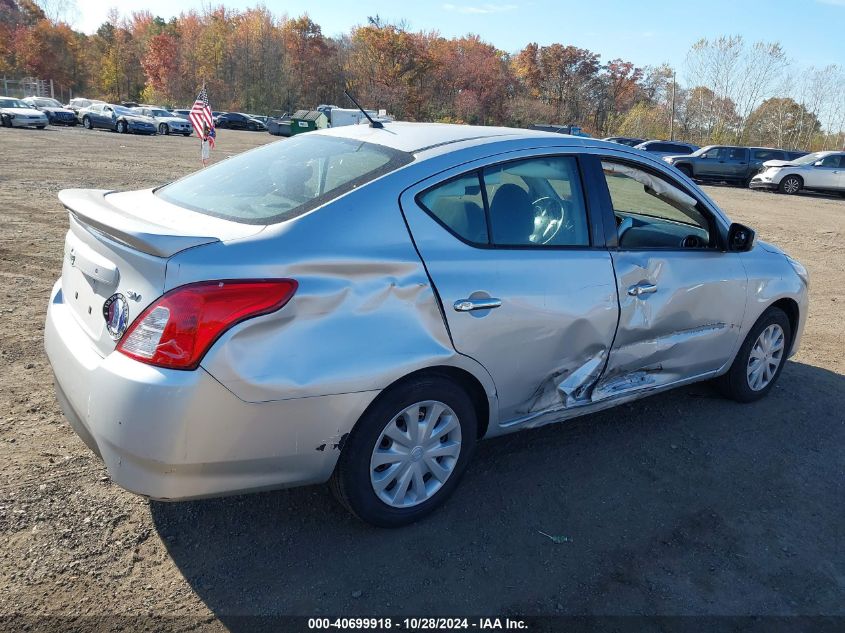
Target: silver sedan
{"x":361,"y":305}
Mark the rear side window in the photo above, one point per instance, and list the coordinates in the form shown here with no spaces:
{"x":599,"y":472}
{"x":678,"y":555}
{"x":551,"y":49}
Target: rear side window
{"x":282,"y":180}
{"x":680,"y":149}
{"x":536,"y":202}
{"x":768,"y":154}
{"x":459,"y":206}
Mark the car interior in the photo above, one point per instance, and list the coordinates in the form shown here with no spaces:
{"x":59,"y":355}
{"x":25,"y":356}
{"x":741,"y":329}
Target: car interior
{"x":652,"y":213}
{"x":535,"y":202}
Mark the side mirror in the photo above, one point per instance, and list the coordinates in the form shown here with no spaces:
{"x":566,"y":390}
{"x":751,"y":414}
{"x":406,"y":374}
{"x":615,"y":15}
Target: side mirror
{"x":740,"y":238}
{"x":818,"y":163}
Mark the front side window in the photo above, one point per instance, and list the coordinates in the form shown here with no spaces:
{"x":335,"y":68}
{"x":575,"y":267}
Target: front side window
{"x":652,"y":212}
{"x":736,"y":154}
{"x":282,"y":180}
{"x":714,"y":153}
{"x":830,"y":161}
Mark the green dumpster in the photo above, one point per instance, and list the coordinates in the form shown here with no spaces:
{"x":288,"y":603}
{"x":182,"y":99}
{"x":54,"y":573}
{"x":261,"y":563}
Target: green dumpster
{"x":306,"y":121}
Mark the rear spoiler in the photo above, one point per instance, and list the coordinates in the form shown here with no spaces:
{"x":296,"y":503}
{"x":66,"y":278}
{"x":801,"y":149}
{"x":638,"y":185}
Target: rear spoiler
{"x":91,"y":208}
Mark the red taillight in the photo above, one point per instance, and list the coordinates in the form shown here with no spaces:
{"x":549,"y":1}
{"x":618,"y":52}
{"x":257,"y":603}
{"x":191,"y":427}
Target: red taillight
{"x":176,"y":330}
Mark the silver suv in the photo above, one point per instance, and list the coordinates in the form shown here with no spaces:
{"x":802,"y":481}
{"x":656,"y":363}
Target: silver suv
{"x":821,"y":171}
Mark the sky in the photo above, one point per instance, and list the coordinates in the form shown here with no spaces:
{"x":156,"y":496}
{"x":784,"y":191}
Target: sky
{"x":645,"y":32}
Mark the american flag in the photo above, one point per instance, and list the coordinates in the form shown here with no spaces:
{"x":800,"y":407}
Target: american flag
{"x":201,"y":115}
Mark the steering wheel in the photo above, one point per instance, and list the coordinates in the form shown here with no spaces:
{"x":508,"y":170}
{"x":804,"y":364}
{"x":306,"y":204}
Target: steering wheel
{"x":549,"y":219}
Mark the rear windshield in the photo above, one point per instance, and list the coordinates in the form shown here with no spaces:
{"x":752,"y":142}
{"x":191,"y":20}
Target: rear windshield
{"x":282,"y":180}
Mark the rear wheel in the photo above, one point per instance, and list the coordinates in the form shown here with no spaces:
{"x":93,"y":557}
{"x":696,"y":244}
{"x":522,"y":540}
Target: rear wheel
{"x":791,"y":185}
{"x":163,"y":129}
{"x":40,"y":127}
{"x":407,"y":453}
{"x":761,"y":358}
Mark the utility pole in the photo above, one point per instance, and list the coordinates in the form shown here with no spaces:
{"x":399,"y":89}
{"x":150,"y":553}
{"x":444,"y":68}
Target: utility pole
{"x":672,"y":120}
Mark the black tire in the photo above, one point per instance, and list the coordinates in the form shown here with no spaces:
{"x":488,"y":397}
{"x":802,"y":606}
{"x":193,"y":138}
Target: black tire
{"x":40,"y":127}
{"x":251,"y":127}
{"x":86,"y":123}
{"x":686,"y":170}
{"x":350,"y":481}
{"x":163,"y":129}
{"x":734,"y":384}
{"x":186,"y":133}
{"x":122,"y":128}
{"x":791,"y":185}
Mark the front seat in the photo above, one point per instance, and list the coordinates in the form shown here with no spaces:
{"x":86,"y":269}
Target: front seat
{"x":511,"y":216}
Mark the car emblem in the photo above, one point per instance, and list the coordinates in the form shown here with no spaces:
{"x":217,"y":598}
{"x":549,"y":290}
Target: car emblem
{"x":116,"y":314}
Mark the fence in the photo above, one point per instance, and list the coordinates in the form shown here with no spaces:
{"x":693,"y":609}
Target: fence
{"x":29,"y":87}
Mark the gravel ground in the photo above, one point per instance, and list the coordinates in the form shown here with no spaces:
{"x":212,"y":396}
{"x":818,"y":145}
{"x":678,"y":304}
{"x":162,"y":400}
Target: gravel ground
{"x":679,"y":504}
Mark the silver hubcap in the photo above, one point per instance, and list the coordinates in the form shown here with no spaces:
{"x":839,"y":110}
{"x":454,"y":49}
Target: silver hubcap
{"x":415,"y":454}
{"x":765,"y":358}
{"x":791,"y":185}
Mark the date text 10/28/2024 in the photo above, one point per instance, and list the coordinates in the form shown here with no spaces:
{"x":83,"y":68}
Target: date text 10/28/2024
{"x":416,"y":624}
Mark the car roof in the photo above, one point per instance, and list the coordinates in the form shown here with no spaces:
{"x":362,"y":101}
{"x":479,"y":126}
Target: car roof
{"x":416,"y":138}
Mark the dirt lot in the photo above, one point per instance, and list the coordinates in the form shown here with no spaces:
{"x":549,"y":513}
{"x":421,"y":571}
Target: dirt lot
{"x":683,"y":503}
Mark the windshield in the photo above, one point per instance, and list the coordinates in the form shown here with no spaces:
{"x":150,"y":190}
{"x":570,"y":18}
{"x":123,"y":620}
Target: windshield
{"x":809,"y":159}
{"x":702,"y":151}
{"x":282,"y":180}
{"x":8,"y":102}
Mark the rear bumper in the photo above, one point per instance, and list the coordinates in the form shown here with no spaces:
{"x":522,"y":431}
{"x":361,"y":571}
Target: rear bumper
{"x":174,"y":435}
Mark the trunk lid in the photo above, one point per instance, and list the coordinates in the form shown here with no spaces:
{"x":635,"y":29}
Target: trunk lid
{"x":119,"y":244}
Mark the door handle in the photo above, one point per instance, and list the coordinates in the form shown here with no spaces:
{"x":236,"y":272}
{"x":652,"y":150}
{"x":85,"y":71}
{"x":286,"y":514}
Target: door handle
{"x":642,"y":289}
{"x":468,"y":305}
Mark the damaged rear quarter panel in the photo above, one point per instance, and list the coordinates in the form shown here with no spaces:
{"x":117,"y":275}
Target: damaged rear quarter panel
{"x":364,"y":314}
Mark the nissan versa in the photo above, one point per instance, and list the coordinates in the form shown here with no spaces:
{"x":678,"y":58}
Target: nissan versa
{"x":361,"y":305}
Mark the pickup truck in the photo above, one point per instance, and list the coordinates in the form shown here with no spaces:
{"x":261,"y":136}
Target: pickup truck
{"x":728,"y":163}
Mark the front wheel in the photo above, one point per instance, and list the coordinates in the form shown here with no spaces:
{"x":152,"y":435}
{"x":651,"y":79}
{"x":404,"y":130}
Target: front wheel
{"x":685,"y":170}
{"x":122,"y":127}
{"x":40,"y":127}
{"x":761,"y":358}
{"x":163,"y":129}
{"x":86,"y":123}
{"x":407,"y":453}
{"x":791,"y":185}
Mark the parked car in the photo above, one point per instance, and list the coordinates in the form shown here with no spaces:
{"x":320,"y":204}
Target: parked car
{"x":183,"y":114}
{"x":16,"y":113}
{"x":363,"y":305}
{"x":56,"y":113}
{"x":115,"y":117}
{"x":238,"y":121}
{"x":165,"y":121}
{"x":625,"y":140}
{"x":821,"y":171}
{"x":78,"y":103}
{"x":666,"y":148}
{"x":726,"y":163}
